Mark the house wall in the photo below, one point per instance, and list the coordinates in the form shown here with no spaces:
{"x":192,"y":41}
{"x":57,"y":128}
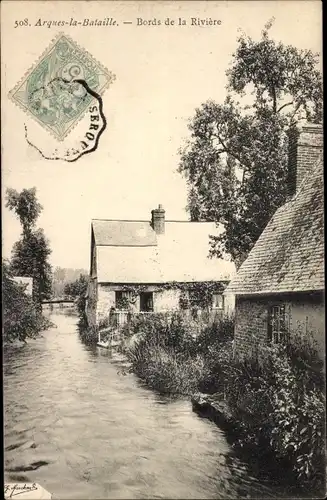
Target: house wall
{"x":166,"y":300}
{"x":305,"y":314}
{"x":229,"y":303}
{"x":163,"y":300}
{"x":106,"y":300}
{"x":309,"y":317}
{"x":93,"y":259}
{"x":251,"y":324}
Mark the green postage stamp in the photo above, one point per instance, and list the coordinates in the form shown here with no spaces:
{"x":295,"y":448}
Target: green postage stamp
{"x":59,"y":89}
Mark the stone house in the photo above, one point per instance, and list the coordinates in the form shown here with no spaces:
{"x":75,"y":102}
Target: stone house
{"x":153,"y":266}
{"x":279,"y":288}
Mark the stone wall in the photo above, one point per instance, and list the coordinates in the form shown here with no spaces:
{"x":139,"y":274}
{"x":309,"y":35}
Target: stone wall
{"x":251,"y":324}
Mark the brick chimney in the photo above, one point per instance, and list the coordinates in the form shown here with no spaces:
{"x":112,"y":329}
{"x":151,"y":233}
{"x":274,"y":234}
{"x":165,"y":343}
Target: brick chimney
{"x":305,"y":148}
{"x":158,"y":220}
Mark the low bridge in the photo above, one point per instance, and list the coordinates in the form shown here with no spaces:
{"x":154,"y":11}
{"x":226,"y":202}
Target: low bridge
{"x":58,"y":304}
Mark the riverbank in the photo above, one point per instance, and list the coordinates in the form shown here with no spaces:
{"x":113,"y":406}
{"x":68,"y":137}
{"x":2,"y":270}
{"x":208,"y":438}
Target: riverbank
{"x":272,"y":408}
{"x":97,"y":431}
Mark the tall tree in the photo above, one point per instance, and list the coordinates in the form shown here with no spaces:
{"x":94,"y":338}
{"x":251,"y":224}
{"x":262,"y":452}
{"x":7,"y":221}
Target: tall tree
{"x":235,"y":161}
{"x":31,"y":252}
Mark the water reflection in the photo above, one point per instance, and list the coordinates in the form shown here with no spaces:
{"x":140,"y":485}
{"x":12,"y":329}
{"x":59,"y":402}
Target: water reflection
{"x":82,"y":426}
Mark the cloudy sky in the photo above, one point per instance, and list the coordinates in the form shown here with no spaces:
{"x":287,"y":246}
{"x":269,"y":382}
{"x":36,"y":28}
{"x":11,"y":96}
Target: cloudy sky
{"x":162,"y":74}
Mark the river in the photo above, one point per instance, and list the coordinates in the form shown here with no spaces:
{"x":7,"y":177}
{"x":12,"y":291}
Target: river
{"x":81,"y":426}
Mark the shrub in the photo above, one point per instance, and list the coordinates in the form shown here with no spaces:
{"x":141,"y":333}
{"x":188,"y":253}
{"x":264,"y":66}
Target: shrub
{"x":22,"y":318}
{"x":299,"y":410}
{"x":77,"y":290}
{"x":216,"y":333}
{"x":215,"y":343}
{"x":171,"y":351}
{"x":103,"y":323}
{"x":164,"y":371}
{"x":172,"y":331}
{"x":279,"y":402}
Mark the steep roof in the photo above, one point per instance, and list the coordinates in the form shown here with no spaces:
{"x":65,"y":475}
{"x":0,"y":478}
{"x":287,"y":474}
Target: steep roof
{"x":132,"y":252}
{"x":289,"y":255}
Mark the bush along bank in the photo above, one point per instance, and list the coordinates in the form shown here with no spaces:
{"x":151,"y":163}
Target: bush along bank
{"x":273,"y":401}
{"x":22,"y":316}
{"x":166,"y":351}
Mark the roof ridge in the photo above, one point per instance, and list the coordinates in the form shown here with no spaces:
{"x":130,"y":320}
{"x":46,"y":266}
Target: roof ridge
{"x":120,"y":220}
{"x":143,"y":220}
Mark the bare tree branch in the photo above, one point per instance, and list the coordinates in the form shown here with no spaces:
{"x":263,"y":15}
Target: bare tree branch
{"x":284,"y":106}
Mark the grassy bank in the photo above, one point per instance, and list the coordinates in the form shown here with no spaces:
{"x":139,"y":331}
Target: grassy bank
{"x":276,"y":398}
{"x":169,"y":352}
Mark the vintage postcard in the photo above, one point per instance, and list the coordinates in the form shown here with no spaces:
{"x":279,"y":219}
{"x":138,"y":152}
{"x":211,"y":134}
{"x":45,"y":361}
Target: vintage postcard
{"x":163,"y":255}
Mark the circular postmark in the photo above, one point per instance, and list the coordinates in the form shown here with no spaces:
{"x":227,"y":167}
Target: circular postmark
{"x":58,"y":103}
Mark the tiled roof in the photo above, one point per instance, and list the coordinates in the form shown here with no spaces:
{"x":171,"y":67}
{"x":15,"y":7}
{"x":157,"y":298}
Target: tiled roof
{"x":123,"y":233}
{"x":131,"y":252}
{"x":289,"y":255}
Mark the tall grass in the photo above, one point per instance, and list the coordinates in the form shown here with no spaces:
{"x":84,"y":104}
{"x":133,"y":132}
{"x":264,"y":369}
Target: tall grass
{"x":171,"y":351}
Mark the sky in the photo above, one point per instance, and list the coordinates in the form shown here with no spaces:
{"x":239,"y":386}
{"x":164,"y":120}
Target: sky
{"x":162,"y":74}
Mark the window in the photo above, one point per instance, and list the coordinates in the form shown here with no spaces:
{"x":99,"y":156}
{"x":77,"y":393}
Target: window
{"x":146,"y":301}
{"x":118,"y":299}
{"x":217,"y":301}
{"x":121,"y":300}
{"x":277,"y":328}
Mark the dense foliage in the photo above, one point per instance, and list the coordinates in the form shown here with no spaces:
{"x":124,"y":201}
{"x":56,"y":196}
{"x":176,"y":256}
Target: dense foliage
{"x":30,"y":254}
{"x":235,"y":161}
{"x":62,"y":276}
{"x":21,"y":319}
{"x":169,"y":350}
{"x":77,"y":290}
{"x":278,"y":401}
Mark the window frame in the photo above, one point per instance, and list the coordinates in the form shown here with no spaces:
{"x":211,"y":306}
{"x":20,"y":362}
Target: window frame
{"x":118,"y":301}
{"x":220,"y":294}
{"x":277,"y":323}
{"x":151,"y":297}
